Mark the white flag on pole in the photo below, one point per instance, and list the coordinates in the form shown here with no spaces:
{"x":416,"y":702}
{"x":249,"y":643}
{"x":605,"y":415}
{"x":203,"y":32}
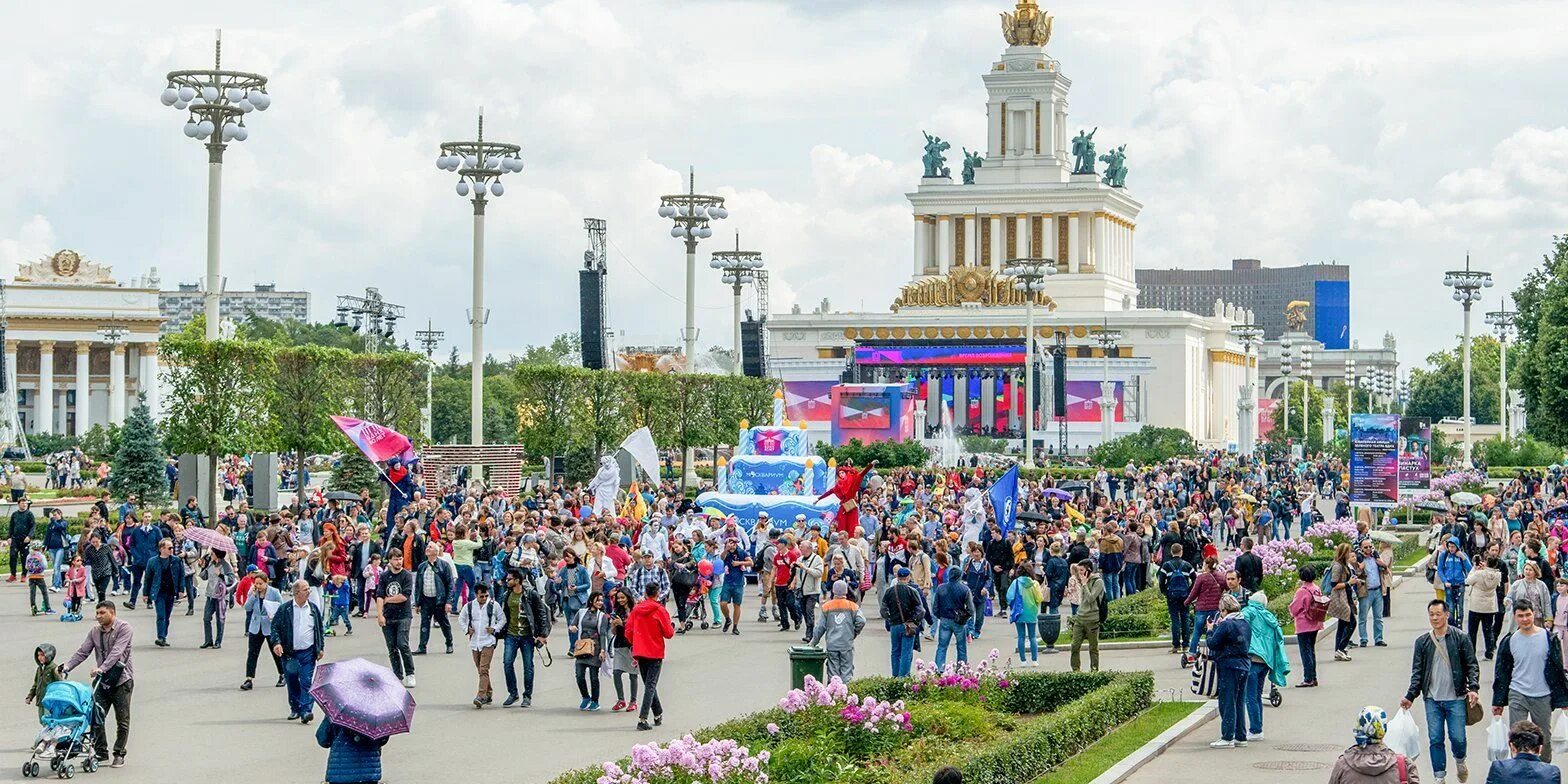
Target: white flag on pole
{"x":640,"y":446}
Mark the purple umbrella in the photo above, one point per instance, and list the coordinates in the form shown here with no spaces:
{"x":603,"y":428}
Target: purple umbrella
{"x":210,"y":538}
{"x":366,"y":698}
{"x":1053,"y":492}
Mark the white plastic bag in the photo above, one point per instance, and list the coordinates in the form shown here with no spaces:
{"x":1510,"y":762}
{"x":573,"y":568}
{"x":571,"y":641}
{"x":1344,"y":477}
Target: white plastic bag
{"x":1560,"y":734}
{"x":1497,"y":740}
{"x":1403,"y":736}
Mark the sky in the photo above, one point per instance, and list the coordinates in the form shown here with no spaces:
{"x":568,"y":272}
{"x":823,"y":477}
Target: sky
{"x":1394,"y":137}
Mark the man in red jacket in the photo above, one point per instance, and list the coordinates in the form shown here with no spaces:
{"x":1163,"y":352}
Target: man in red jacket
{"x":647,"y":627}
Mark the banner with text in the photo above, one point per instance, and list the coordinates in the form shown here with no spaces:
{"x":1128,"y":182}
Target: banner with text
{"x":1374,"y":459}
{"x":1415,"y":456}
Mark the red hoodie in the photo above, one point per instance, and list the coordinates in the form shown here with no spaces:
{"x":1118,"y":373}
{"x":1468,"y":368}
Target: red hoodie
{"x":648,"y":626}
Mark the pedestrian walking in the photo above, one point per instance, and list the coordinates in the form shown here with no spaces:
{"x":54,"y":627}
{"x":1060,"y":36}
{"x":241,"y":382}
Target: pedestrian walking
{"x":1230,"y":640}
{"x":1445,"y":675}
{"x":218,"y":575}
{"x":1308,"y":609}
{"x":954,"y":608}
{"x":1376,"y":572}
{"x":527,"y":626}
{"x":1203,"y":600}
{"x":1481,"y":605}
{"x":109,"y":642}
{"x":165,"y":576}
{"x":436,"y":586}
{"x":1345,"y":585}
{"x":258,"y":625}
{"x":298,"y":637}
{"x":1453,"y":566}
{"x":903,"y":615}
{"x":1526,"y":741}
{"x":647,"y":627}
{"x":482,"y":619}
{"x":1024,"y":597}
{"x":1269,"y":666}
{"x":394,"y":589}
{"x":1528,"y":678}
{"x":1092,"y":607}
{"x":1175,"y":583}
{"x":841,"y":624}
{"x":352,"y":758}
{"x":590,"y":628}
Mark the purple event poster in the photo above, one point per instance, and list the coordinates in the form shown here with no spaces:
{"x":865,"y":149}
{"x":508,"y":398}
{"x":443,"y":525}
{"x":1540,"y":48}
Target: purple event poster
{"x":1415,"y":456}
{"x":1374,"y":459}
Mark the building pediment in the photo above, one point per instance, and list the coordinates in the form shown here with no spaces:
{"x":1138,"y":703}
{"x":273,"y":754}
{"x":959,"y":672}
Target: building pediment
{"x":65,"y":267}
{"x":965,"y":286}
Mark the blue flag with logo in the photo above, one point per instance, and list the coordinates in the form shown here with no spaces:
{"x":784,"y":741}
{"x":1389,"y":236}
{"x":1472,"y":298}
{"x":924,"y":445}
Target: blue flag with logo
{"x":1004,"y":500}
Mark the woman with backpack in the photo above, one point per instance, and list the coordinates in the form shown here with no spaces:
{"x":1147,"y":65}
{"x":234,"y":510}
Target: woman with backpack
{"x":1308,"y":608}
{"x":1023,"y":602}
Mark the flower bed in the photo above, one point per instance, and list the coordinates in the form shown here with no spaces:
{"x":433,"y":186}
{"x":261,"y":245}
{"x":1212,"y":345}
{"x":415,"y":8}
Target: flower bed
{"x":996,"y":727}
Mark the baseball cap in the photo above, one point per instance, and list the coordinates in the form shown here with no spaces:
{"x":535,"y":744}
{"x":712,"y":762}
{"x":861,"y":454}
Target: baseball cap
{"x":903,"y":571}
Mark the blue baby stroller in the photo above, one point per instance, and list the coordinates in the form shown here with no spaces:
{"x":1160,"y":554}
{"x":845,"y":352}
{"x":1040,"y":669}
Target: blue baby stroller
{"x":69,"y":720}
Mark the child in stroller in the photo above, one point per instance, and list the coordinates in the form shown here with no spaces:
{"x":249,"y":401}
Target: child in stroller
{"x":69,"y":718}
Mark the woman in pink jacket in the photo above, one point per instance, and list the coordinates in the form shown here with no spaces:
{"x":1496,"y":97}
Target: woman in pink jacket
{"x":1308,"y":609}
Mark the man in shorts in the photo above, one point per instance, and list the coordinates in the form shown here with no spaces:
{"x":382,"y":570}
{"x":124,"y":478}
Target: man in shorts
{"x":736,"y":562}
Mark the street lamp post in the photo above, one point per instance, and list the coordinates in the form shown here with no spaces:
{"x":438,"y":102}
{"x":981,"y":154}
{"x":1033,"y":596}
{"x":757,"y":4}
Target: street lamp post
{"x":429,"y":338}
{"x":1107,"y":338}
{"x":691,"y":211}
{"x":1306,"y":392}
{"x":1285,"y":345}
{"x":217,"y":102}
{"x":1250,"y":335}
{"x":1468,"y":285}
{"x":479,"y":165}
{"x":1350,"y":391}
{"x":1503,"y":322}
{"x":1029,"y":276}
{"x":739,"y":268}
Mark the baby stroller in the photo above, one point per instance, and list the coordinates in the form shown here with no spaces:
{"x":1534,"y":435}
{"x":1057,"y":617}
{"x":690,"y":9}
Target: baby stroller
{"x":70,"y":717}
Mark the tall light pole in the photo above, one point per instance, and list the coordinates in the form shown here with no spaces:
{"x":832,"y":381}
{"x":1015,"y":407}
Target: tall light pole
{"x":739,"y":268}
{"x":1107,"y":338}
{"x":1306,"y":393}
{"x":479,"y":165}
{"x":1285,"y":345}
{"x":1503,"y":322}
{"x":1251,"y":336}
{"x":217,"y":102}
{"x":1468,"y":285}
{"x":429,"y":338}
{"x":1350,"y":392}
{"x":691,"y":211}
{"x":1029,"y":276}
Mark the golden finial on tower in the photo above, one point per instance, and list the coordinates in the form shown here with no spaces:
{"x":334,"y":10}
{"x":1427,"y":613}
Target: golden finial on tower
{"x":1027,"y":25}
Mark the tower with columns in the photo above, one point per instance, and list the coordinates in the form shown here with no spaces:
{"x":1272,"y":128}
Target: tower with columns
{"x":80,"y":345}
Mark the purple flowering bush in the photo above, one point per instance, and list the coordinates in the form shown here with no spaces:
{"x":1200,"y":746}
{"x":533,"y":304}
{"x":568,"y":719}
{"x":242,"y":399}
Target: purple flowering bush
{"x":687,"y":760}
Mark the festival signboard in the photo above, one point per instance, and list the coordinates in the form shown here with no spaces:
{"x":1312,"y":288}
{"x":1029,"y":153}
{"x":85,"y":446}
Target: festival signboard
{"x":1415,"y":456}
{"x":1374,"y":459}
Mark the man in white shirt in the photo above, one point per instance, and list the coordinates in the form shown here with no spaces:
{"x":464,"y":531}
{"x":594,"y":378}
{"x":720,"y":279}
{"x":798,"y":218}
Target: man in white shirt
{"x":298,"y":638}
{"x":482,"y":619}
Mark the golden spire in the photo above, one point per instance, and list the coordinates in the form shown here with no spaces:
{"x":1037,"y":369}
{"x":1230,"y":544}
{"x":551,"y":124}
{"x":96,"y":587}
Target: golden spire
{"x":1027,"y":25}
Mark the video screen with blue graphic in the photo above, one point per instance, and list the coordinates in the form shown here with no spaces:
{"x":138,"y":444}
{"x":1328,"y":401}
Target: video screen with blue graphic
{"x":1331,"y":312}
{"x":939,"y":355}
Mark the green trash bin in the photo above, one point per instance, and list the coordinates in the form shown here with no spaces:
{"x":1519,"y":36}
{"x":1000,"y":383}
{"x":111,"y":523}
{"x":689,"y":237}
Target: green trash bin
{"x":806,"y":660}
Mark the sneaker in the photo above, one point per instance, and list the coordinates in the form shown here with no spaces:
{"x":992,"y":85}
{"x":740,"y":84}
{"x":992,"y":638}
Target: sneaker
{"x":1340,"y":656}
{"x":726,"y":625}
{"x":1241,"y":744}
{"x":582,"y":706}
{"x":643,"y":726}
{"x":449,"y":648}
{"x":525,"y":702}
{"x":479,"y":703}
{"x":619,"y":705}
{"x":247,"y":685}
{"x":511,"y":699}
{"x":279,"y":684}
{"x":119,"y":761}
{"x":593,"y":706}
{"x":631,"y":707}
{"x":128,"y":605}
{"x":1256,"y":736}
{"x":307,"y":718}
{"x":1442,"y":779}
{"x":330,"y":633}
{"x":1363,"y":643}
{"x":1380,"y":644}
{"x":658,"y":720}
{"x":1464,"y":771}
{"x":735,"y":631}
{"x":1223,"y":744}
{"x":409,"y":682}
{"x":420,"y":652}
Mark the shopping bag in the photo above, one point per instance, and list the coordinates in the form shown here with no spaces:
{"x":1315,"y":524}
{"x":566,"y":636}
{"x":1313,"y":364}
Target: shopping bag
{"x":1497,"y":740}
{"x":1560,"y":734}
{"x":1205,"y":677}
{"x":1403,"y":736}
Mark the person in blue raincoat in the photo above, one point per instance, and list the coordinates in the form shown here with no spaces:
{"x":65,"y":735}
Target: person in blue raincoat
{"x":1266,"y":652}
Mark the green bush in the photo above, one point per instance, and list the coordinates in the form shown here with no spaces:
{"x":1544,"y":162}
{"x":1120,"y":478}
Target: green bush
{"x":1149,"y":445}
{"x":1517,"y":451}
{"x":888,"y":454}
{"x":1141,"y":615}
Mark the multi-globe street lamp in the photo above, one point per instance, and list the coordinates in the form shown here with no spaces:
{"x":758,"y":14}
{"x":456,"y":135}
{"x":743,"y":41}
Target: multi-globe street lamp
{"x":1306,"y":390}
{"x":1029,"y":276}
{"x":691,"y":212}
{"x":1250,"y":335}
{"x":1285,"y":355}
{"x":739,"y":268}
{"x":479,"y":165}
{"x":1350,"y":390}
{"x":1503,"y":322}
{"x":1107,"y":338}
{"x":216,"y":102}
{"x":1468,"y":286}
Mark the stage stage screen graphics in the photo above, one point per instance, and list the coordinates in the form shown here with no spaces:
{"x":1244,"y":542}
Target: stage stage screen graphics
{"x":811,"y":401}
{"x":940,"y":356}
{"x":1083,"y":401}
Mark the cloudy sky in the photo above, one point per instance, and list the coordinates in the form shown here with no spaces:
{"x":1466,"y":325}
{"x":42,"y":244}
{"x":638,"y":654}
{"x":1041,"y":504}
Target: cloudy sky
{"x":1391,"y":136}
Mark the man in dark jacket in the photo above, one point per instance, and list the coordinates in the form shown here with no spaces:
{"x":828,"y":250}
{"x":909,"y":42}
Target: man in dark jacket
{"x":954,"y":608}
{"x":141,"y":546}
{"x":435,"y":591}
{"x":165,"y":574}
{"x":1525,"y":740}
{"x":999,"y":554}
{"x":1529,"y":679}
{"x":57,"y":542}
{"x":527,"y":626}
{"x":1249,"y":567}
{"x":903,"y":614}
{"x":1446,"y":689}
{"x":297,"y":637}
{"x":22,"y":526}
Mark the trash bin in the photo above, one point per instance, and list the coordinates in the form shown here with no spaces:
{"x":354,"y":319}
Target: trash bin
{"x":806,"y":660}
{"x":1050,"y":630}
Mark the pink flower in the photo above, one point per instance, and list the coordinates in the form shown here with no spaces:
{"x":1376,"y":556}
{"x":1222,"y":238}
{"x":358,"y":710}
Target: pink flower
{"x":773,"y":729}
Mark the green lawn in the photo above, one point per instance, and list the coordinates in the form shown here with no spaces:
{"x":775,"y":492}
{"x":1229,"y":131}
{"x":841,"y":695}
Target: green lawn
{"x":1115,"y":747}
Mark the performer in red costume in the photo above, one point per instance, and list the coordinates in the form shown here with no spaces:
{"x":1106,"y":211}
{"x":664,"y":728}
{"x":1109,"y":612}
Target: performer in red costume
{"x":846,"y":489}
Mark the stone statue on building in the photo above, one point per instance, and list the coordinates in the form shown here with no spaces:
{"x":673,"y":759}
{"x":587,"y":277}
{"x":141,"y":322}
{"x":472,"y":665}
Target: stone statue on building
{"x":1027,"y":25}
{"x":1115,"y":167}
{"x":934,"y":160}
{"x":972,"y":161}
{"x":1083,"y":152}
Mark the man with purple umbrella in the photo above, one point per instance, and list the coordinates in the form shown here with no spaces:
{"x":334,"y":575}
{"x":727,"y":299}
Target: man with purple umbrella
{"x":298,"y":637}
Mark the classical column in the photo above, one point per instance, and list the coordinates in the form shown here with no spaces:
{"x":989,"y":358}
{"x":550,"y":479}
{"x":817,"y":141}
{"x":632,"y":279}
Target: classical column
{"x":1101,"y":257}
{"x":44,"y":409}
{"x":1074,"y":242}
{"x":944,"y":243}
{"x":971,"y":231}
{"x":1025,"y":241}
{"x":998,"y":243}
{"x":11,"y":347}
{"x":1049,"y":245}
{"x":117,"y":384}
{"x":83,"y":388}
{"x":987,"y":401}
{"x":920,"y":247}
{"x":148,"y":383}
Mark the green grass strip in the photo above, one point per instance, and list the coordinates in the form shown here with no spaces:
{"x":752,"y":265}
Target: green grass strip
{"x":1115,"y":747}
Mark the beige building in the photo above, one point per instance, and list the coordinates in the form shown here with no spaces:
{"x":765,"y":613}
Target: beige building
{"x":79,"y":345}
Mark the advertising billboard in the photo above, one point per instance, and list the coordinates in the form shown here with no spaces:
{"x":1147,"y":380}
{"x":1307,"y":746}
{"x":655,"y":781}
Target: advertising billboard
{"x":1331,"y":313}
{"x":1374,"y":459}
{"x":1083,"y":401}
{"x":809,"y":401}
{"x":1415,"y":456}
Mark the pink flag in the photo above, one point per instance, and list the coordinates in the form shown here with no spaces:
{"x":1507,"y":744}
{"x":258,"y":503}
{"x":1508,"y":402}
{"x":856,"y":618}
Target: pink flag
{"x":377,"y":442}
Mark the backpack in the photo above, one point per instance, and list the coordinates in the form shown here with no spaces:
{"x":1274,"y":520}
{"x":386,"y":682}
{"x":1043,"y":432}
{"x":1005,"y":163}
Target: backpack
{"x":964,"y":611}
{"x":1178,"y":582}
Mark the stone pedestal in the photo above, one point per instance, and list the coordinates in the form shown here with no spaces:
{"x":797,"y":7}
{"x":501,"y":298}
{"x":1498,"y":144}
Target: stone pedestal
{"x":195,"y":480}
{"x":264,"y":482}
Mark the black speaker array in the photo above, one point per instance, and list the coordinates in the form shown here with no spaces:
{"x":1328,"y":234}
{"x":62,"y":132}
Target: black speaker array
{"x":1059,"y":384}
{"x":752,"y":362}
{"x":590,"y":286}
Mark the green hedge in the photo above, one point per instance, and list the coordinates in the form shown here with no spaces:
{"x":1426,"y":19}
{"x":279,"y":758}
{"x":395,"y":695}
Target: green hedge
{"x":1509,"y":472}
{"x":1060,"y":714}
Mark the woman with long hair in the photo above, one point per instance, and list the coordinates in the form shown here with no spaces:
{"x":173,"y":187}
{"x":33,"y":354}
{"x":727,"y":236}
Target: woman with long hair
{"x":590,"y":623}
{"x":1345,"y":590}
{"x":621,"y":663}
{"x":1023,"y":602}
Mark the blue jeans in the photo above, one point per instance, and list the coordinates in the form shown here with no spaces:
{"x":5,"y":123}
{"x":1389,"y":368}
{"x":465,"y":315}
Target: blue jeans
{"x":1454,"y":597}
{"x":951,"y":630}
{"x":902,"y":649}
{"x":1306,"y":522}
{"x":1232,"y":687}
{"x":1441,"y":714}
{"x":339,"y":612}
{"x":1371,"y":603}
{"x":514,"y":645}
{"x":1257,"y":680}
{"x":57,"y":557}
{"x":163,"y":606}
{"x":1200,"y":622}
{"x":465,"y":579}
{"x":1027,"y":633}
{"x":979,"y":618}
{"x":1130,"y":578}
{"x":1176,"y":608}
{"x":299,"y":671}
{"x":1113,"y":586}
